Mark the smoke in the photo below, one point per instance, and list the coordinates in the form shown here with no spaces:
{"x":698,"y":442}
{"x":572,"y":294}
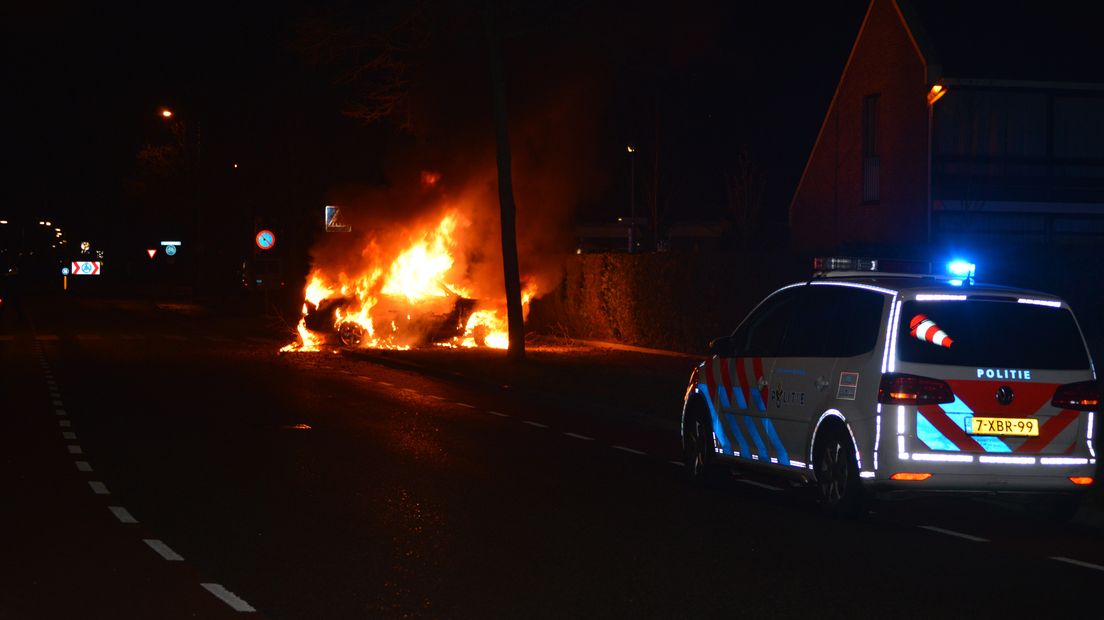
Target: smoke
{"x":448,"y":163}
{"x":567,"y":69}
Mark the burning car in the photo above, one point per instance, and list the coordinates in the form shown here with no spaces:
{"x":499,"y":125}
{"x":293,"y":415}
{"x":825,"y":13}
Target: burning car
{"x":441,"y":324}
{"x":420,"y":292}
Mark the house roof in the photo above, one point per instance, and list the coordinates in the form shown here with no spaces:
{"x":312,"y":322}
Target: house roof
{"x":1056,"y":41}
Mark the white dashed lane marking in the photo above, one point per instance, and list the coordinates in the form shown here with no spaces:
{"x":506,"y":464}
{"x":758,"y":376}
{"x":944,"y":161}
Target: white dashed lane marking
{"x":496,"y":413}
{"x":83,"y":466}
{"x":226,"y":596}
{"x":536,"y":424}
{"x":64,"y":423}
{"x":69,"y":435}
{"x":58,"y":403}
{"x":465,"y":405}
{"x":1077,"y":562}
{"x":163,"y":550}
{"x":579,"y":437}
{"x":74,"y":449}
{"x":435,"y":397}
{"x":940,"y":530}
{"x":629,"y":450}
{"x":122,"y":514}
{"x":677,"y":463}
{"x":98,"y":487}
{"x":60,"y":412}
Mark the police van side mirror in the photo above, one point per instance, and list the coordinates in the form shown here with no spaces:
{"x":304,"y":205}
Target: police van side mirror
{"x":724,"y":346}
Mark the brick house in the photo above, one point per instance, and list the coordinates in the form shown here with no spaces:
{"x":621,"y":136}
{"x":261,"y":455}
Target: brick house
{"x":960,"y":124}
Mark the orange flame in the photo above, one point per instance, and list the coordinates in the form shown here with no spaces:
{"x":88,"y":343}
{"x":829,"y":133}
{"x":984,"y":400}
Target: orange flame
{"x":415,"y":298}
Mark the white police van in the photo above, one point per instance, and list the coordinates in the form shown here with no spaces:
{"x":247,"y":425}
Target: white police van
{"x":859,"y":381}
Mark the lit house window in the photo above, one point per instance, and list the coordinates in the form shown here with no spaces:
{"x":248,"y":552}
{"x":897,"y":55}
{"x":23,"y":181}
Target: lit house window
{"x":870,"y":170}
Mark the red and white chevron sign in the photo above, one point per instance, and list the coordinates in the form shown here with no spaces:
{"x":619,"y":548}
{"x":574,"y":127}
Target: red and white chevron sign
{"x":85,"y":268}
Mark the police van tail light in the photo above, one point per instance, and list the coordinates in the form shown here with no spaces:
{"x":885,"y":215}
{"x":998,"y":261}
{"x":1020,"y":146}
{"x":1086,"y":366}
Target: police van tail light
{"x":1082,"y":396}
{"x":911,"y":476}
{"x":1081,"y":480}
{"x":902,"y":389}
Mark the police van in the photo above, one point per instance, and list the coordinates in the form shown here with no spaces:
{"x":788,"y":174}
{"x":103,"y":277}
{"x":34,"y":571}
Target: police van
{"x":861,"y":382}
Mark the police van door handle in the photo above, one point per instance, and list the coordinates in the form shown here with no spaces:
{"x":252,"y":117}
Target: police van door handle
{"x":822,"y":383}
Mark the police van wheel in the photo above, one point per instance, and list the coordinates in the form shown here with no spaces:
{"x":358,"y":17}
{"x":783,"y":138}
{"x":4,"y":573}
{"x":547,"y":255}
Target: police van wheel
{"x":838,"y":489}
{"x":697,"y":448}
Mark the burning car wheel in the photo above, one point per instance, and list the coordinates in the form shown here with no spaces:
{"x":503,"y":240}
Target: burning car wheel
{"x":351,"y":334}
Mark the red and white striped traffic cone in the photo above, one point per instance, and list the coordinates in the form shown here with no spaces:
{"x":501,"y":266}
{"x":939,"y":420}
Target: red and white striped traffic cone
{"x":925,"y":329}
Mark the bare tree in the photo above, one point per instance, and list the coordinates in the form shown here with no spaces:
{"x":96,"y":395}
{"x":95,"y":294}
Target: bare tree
{"x":745,"y":183}
{"x":374,"y":56}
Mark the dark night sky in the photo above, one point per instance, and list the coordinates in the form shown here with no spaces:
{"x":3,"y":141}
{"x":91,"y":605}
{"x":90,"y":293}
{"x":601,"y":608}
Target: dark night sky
{"x":82,"y":85}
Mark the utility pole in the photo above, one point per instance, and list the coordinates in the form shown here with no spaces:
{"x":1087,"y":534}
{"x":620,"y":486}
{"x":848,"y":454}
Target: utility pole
{"x":632,"y":198}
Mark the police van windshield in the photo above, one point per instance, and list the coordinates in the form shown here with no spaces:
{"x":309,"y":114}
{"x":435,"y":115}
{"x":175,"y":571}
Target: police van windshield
{"x":1003,"y":334}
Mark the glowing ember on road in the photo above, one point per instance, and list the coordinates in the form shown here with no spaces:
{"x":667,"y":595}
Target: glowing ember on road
{"x":423,"y":291}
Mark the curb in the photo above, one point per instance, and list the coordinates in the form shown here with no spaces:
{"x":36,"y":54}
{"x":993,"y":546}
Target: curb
{"x":581,"y":405}
{"x":601,"y":344}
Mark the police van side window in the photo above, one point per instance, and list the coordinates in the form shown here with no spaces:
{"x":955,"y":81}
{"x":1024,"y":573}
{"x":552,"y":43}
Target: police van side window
{"x":761,"y":334}
{"x":833,"y":321}
{"x":856,"y":319}
{"x":806,"y":331}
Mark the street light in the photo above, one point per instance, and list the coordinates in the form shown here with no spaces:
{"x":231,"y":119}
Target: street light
{"x":935,"y":94}
{"x":632,"y":198}
{"x":188,"y":134}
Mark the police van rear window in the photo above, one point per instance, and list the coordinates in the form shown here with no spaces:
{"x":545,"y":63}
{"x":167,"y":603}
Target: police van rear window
{"x":990,"y":333}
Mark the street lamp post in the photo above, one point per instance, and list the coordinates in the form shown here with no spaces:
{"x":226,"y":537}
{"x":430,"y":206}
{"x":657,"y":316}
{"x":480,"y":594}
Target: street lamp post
{"x":192,"y":163}
{"x":632,"y":198}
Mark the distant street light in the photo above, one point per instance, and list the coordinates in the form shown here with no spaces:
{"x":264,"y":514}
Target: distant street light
{"x":166,"y":113}
{"x":936,"y":93}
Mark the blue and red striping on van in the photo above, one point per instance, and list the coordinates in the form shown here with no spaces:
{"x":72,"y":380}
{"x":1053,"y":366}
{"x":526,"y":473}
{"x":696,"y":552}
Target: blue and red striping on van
{"x":945,"y":429}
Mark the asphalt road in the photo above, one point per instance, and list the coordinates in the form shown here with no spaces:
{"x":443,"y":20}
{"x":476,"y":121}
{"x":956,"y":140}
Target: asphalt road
{"x":163,"y":464}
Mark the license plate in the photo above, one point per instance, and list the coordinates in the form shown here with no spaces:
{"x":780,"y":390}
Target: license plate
{"x":1021,"y":427}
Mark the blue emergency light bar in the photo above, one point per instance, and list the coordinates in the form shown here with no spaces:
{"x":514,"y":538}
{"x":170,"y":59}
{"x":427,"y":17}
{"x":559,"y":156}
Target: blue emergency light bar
{"x":957,"y":272}
{"x":962,"y":271}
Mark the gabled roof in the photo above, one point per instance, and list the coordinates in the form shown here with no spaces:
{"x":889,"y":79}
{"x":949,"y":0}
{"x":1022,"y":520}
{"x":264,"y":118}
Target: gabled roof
{"x":1020,"y":40}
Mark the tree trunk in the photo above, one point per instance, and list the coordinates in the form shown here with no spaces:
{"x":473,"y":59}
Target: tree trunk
{"x":507,"y":210}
